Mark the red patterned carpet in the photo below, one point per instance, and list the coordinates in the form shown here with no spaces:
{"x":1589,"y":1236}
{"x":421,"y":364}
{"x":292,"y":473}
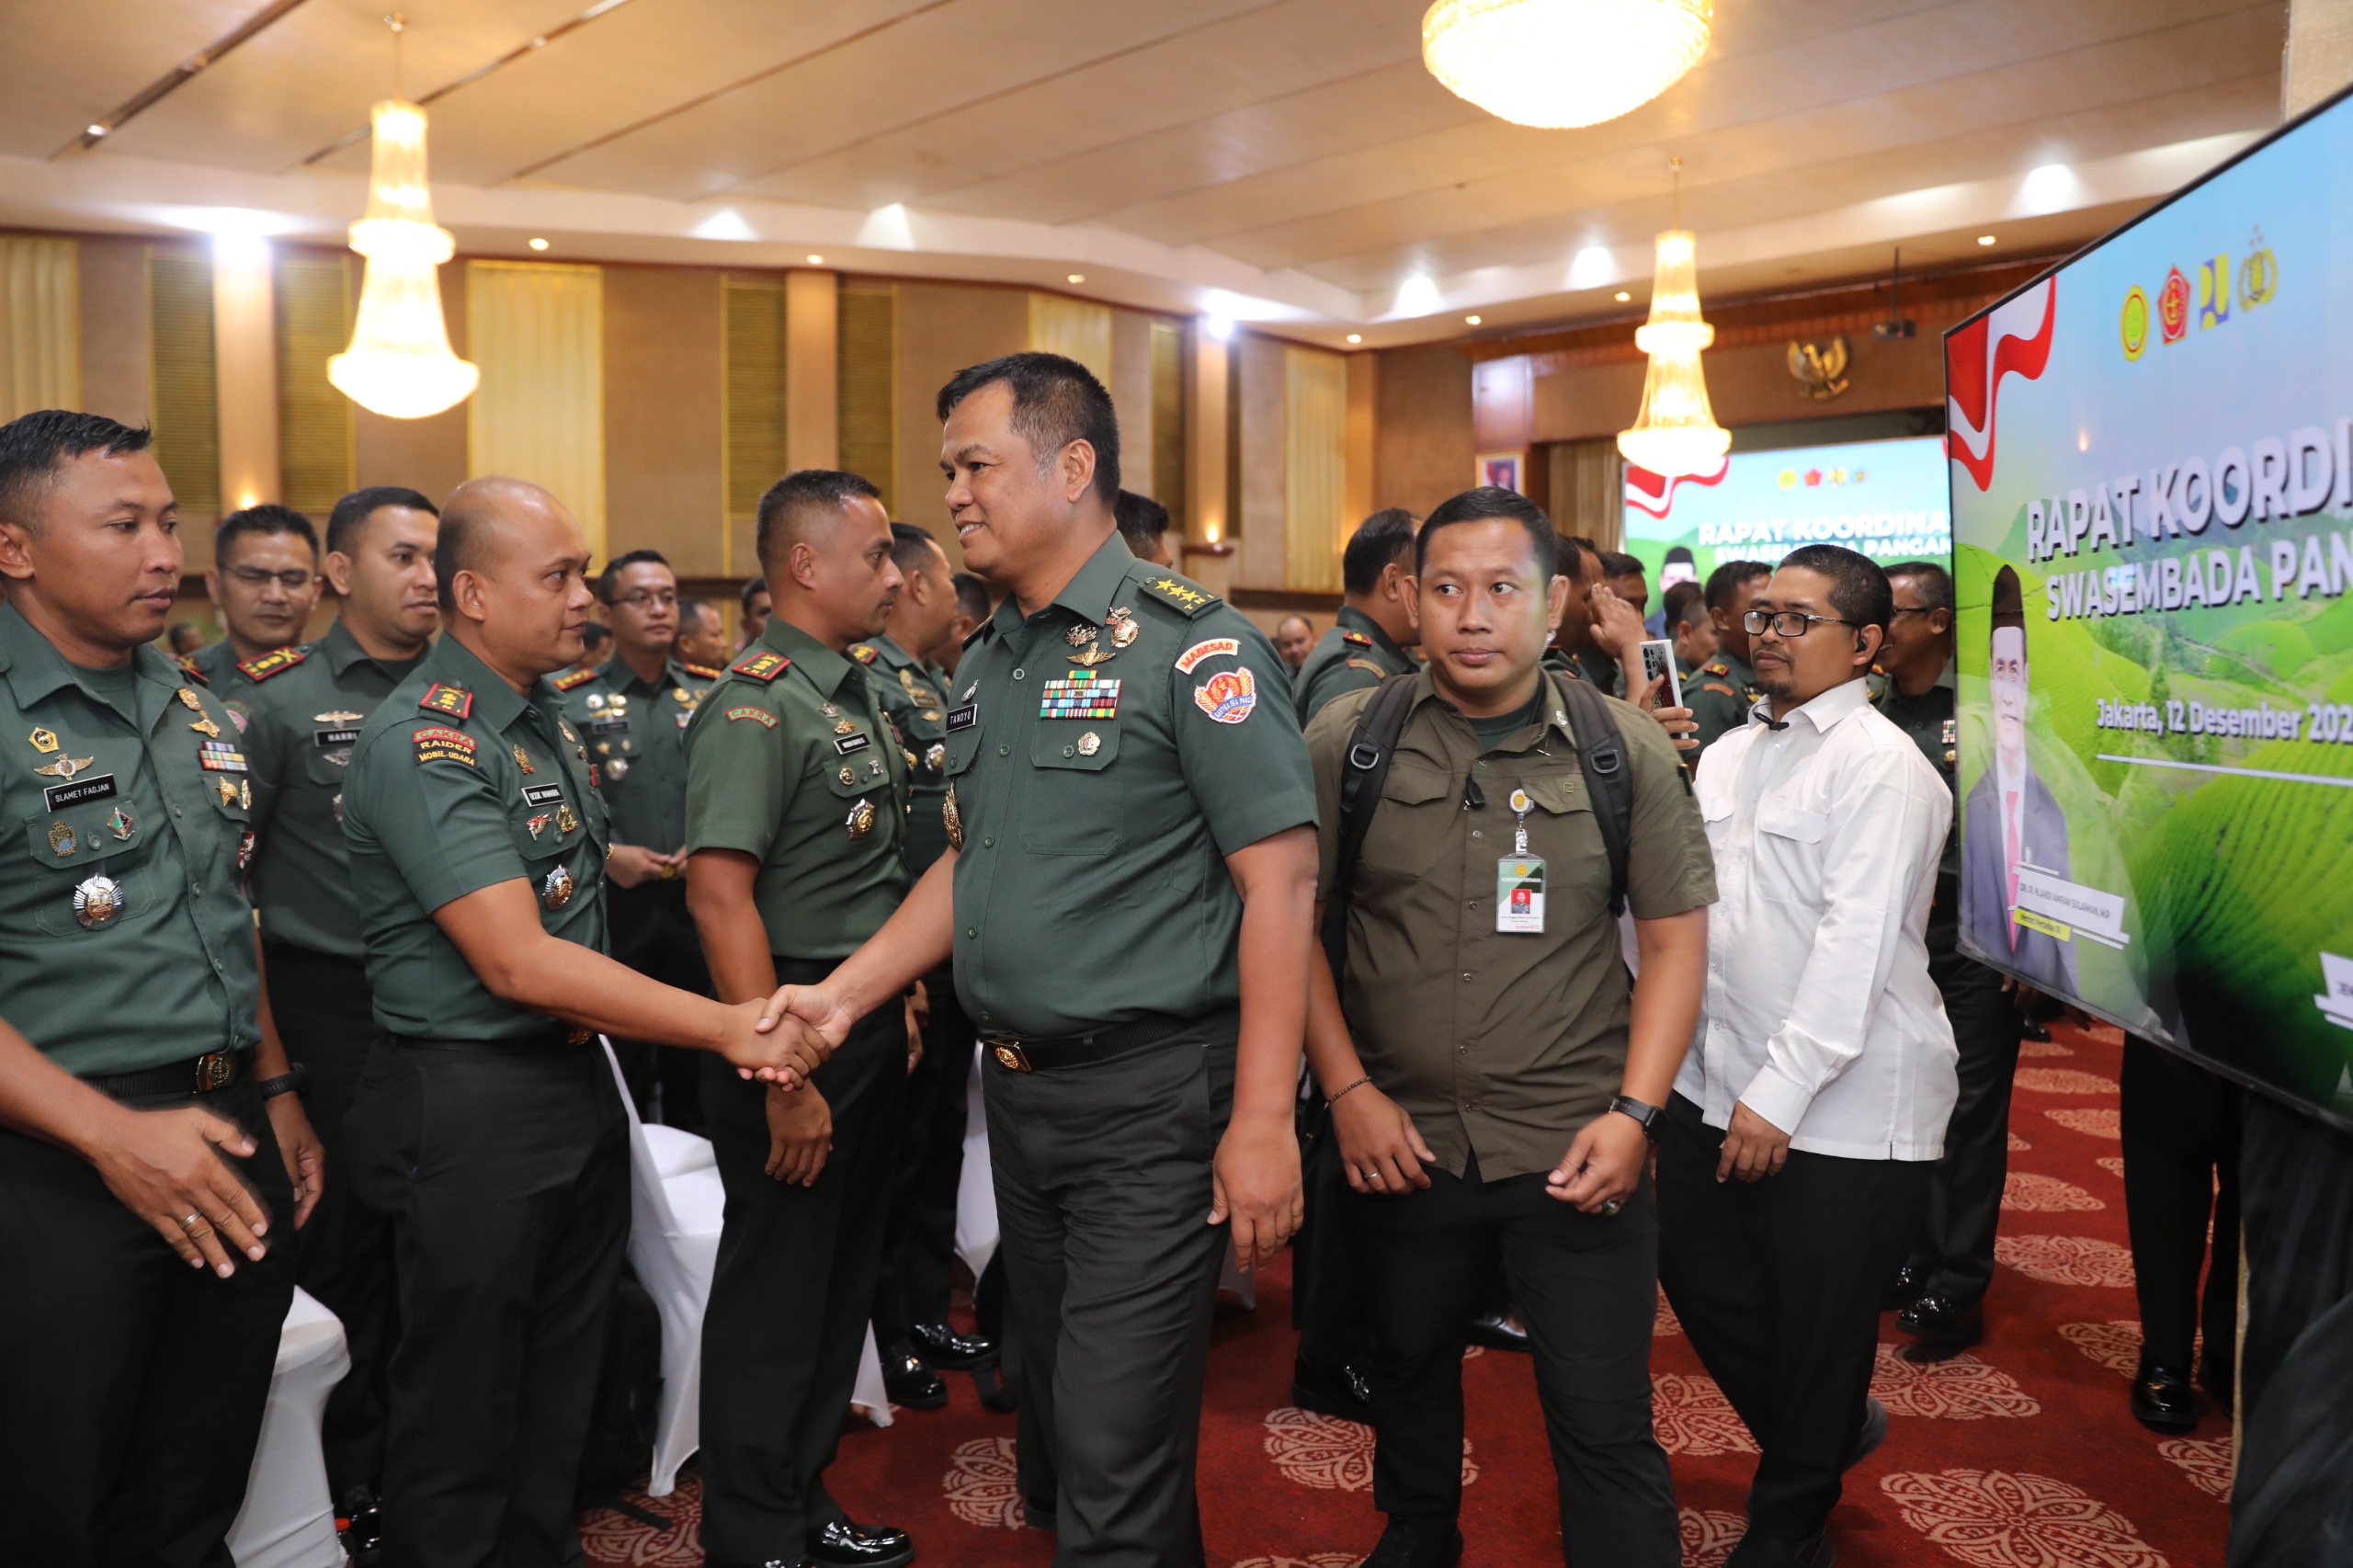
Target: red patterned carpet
{"x":2021,"y":1454}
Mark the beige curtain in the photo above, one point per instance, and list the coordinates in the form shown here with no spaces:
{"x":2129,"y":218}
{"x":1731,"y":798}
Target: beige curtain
{"x":1315,"y":467}
{"x":537,"y":330}
{"x":40,"y":325}
{"x":1588,"y":493}
{"x":1078,"y":329}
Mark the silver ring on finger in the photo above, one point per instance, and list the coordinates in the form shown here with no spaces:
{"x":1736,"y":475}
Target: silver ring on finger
{"x":191,"y":1222}
{"x":1610,"y":1210}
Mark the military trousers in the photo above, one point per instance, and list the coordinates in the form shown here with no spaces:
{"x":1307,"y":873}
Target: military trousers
{"x":654,"y":934}
{"x":2180,"y":1126}
{"x":131,"y":1385}
{"x":1103,"y":1186}
{"x":506,"y":1174}
{"x":327,"y":1018}
{"x":1956,"y":1244}
{"x":919,"y":1243}
{"x":1328,"y":1304}
{"x":792,"y":1290}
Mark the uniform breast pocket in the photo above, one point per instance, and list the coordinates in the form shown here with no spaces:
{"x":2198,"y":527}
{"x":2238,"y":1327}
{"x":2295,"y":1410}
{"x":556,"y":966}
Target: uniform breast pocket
{"x":1072,"y":802}
{"x":1788,"y":853}
{"x":1414,"y":826}
{"x":88,"y":864}
{"x":1563,"y":829}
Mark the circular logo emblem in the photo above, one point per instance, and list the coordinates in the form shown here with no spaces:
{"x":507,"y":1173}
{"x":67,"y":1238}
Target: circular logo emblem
{"x":97,"y":901}
{"x":557,"y":890}
{"x":2133,"y":325}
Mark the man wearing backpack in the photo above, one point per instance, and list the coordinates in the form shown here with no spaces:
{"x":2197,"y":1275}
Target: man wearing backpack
{"x":1494,"y":1077}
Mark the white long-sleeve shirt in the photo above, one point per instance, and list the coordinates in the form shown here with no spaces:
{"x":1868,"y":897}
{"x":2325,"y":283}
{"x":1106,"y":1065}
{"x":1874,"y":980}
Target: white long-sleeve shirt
{"x":1820,"y":1015}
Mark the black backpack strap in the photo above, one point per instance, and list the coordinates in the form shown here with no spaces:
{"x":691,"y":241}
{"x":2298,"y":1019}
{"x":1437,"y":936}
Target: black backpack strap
{"x":1363,"y":768}
{"x":1608,"y":775}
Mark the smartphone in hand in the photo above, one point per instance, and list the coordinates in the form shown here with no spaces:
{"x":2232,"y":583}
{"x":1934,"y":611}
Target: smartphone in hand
{"x":1658,"y":664}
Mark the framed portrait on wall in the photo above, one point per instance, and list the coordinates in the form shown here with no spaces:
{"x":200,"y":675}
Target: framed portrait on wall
{"x":1503,"y":469}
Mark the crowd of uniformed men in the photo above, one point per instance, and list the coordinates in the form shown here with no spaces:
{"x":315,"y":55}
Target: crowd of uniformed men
{"x":304,"y":981}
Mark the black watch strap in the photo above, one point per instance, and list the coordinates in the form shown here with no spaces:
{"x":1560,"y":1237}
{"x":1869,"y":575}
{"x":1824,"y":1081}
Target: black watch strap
{"x":1646,"y":1115}
{"x":293,"y":1081}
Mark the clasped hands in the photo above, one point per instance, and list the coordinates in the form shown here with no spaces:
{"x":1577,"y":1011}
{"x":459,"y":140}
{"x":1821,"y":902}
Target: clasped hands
{"x":783,"y":1041}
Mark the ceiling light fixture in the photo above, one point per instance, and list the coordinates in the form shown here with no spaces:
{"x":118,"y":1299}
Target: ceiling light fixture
{"x":816,"y":260}
{"x":1676,"y":432}
{"x":537,"y":243}
{"x":1078,"y":278}
{"x":1355,"y":338}
{"x":1561,"y":63}
{"x":1470,"y":321}
{"x":398,"y":363}
{"x":1219,"y":327}
{"x":1621,"y":296}
{"x":94,"y":131}
{"x":1985,"y":239}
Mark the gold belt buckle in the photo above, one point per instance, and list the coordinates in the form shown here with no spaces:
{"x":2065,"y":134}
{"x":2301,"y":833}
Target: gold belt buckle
{"x":581,"y":1035}
{"x":214,"y":1069}
{"x":1010,"y":1055}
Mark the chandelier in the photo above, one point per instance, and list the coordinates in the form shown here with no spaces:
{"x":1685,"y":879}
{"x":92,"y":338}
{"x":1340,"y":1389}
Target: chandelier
{"x":1560,"y":64}
{"x":1675,"y":433}
{"x":398,"y":363}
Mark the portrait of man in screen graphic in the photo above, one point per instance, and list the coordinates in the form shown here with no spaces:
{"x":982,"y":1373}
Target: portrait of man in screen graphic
{"x":2012,"y":819}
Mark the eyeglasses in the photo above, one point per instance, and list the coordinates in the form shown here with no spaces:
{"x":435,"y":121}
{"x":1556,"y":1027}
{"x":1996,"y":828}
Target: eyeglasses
{"x":293,"y":582}
{"x":1788,"y":622}
{"x":645,"y":599}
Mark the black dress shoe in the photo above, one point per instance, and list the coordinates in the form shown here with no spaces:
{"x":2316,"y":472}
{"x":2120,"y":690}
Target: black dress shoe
{"x":1040,"y":1516}
{"x":2162,"y":1398}
{"x":1417,"y":1542}
{"x":1498,"y":1330}
{"x":860,"y":1546}
{"x":1872,"y":1433}
{"x":2030,"y":1029}
{"x":1332,"y":1390}
{"x":1943,"y":1324}
{"x":359,"y":1526}
{"x":1910,"y":1281}
{"x":945,"y":1350}
{"x":909,"y":1381}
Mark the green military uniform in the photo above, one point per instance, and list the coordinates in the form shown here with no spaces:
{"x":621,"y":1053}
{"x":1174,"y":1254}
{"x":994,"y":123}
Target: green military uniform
{"x":1502,"y":1030}
{"x":303,"y":715}
{"x":1727,"y":689}
{"x":634,"y":730}
{"x":1955,"y":1253}
{"x":492,"y":1136}
{"x":792,"y":763}
{"x":1354,"y":654}
{"x":1588,"y":666}
{"x":233,"y":680}
{"x":1104,"y":754}
{"x":132,"y":1386}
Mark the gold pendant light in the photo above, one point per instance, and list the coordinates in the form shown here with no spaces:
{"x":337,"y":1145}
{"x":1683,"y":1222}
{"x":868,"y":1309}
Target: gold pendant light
{"x":1675,"y":433}
{"x":1561,"y":63}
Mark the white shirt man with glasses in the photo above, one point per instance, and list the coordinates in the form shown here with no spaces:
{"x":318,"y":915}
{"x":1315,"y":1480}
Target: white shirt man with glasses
{"x":1794,"y":1167}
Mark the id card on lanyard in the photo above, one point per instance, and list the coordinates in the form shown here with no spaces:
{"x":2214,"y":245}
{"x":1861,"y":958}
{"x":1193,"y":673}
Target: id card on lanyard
{"x":1520,"y":880}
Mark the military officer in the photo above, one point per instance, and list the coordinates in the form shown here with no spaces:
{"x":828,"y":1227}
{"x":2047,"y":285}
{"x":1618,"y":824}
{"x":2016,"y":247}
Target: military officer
{"x":264,"y":581}
{"x":1127,"y":895}
{"x":304,"y":713}
{"x":795,"y":824}
{"x":632,"y":716}
{"x":1598,"y":629}
{"x":487,"y":1123}
{"x":1368,"y":642}
{"x":154,"y":1160}
{"x":1727,"y":687}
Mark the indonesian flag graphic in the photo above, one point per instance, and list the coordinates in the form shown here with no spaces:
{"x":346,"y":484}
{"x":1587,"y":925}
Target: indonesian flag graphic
{"x":1654,"y":494}
{"x":2012,"y":340}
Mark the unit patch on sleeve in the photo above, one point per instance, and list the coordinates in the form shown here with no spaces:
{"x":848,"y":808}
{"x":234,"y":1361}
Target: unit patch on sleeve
{"x":759,"y":716}
{"x":763,"y":665}
{"x":1227,"y":696}
{"x":1082,"y":694}
{"x":1368,"y":666}
{"x":1199,"y":652}
{"x":437,"y":744}
{"x":454,"y":700}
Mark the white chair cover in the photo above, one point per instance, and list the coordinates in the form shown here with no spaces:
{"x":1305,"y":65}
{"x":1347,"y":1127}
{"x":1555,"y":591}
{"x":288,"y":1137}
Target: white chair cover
{"x":288,"y":1521}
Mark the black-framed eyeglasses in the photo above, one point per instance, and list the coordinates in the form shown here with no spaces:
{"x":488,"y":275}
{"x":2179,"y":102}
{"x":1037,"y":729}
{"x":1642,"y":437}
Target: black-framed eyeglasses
{"x":293,"y":581}
{"x":1789,"y":622}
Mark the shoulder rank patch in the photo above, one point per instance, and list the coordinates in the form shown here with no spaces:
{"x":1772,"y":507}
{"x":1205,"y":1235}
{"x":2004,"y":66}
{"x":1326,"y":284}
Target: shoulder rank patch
{"x":865,"y":653}
{"x":1187,"y":597}
{"x":1358,"y":637}
{"x":571,"y":678}
{"x":276,"y":661}
{"x":763,"y":665}
{"x":193,"y":670}
{"x":760,"y":716}
{"x":1368,"y":667}
{"x":1193,"y":657}
{"x":705,"y":671}
{"x":435,"y":744}
{"x":1716,"y":667}
{"x":454,"y":700}
{"x":1719,"y":688}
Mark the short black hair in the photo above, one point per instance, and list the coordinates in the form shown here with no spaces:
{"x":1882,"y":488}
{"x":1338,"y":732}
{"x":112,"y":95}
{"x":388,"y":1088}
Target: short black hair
{"x":1568,"y":556}
{"x":1934,"y":582}
{"x":911,"y":546}
{"x":1380,"y":538}
{"x":1724,"y":583}
{"x":593,"y":636}
{"x":972,"y":596}
{"x":618,"y":563}
{"x":34,"y":446}
{"x":1685,"y":602}
{"x":269,"y":517}
{"x":1678,"y":554}
{"x":804,"y":490}
{"x":1618,"y":563}
{"x":1142,"y":520}
{"x":753,"y":588}
{"x":1482,"y":504}
{"x":353,"y":510}
{"x":1859,"y":589}
{"x":1056,"y":401}
{"x":698,"y":608}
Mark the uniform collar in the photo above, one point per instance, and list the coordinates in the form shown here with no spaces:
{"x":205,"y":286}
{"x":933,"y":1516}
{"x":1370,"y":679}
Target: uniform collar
{"x":824,"y":667}
{"x":341,"y":649}
{"x":889,"y":653}
{"x":1351,"y":618}
{"x":1553,"y":715}
{"x":1892,"y":695}
{"x":1088,"y":595}
{"x":35,"y":668}
{"x":1823,"y":712}
{"x":618,"y":677}
{"x":496,"y":703}
{"x":1946,"y":678}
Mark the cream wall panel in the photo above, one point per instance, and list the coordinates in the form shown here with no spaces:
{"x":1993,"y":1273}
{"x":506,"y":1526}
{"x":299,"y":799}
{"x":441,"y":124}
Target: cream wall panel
{"x":41,"y":328}
{"x":1131,"y":389}
{"x":1315,"y":466}
{"x":1263,"y":385}
{"x":943,"y":328}
{"x":537,"y":330}
{"x":662,"y":485}
{"x":116,"y":371}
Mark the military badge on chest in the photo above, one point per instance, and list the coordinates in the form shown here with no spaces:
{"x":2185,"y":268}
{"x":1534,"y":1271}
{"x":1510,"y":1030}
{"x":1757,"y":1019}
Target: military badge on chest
{"x":861,"y":819}
{"x":556,"y":888}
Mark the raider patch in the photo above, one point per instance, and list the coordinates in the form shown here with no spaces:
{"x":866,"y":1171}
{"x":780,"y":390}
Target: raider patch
{"x":437,"y":744}
{"x":1368,"y":666}
{"x":759,"y":716}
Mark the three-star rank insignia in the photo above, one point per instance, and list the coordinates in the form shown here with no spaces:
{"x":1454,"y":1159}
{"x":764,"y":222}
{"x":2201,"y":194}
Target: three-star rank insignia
{"x":763,"y":666}
{"x":278,"y":661}
{"x":441,"y":697}
{"x":704,"y":671}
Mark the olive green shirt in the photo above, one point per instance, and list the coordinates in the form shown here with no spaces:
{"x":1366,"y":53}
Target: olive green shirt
{"x":1724,"y":692}
{"x":302,"y":719}
{"x":457,"y":783}
{"x":1097,"y":802}
{"x":1502,"y":1043}
{"x":635,"y":732}
{"x":1354,"y":654}
{"x":791,"y":762}
{"x":1588,"y":666}
{"x":231,"y":681}
{"x":127,"y":941}
{"x":1929,"y":720}
{"x":914,"y":694}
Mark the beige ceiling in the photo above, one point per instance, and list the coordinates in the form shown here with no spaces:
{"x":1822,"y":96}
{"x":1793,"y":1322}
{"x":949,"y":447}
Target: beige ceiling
{"x":1285,"y":134}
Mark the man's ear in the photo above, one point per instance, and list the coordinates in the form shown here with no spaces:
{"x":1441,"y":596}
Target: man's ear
{"x":465,"y":594}
{"x":1868,"y":640}
{"x":1409,"y":591}
{"x":1940,"y":621}
{"x":801,"y":566}
{"x":337,"y":567}
{"x":16,"y":552}
{"x":1075,"y":467}
{"x":1396,"y":582}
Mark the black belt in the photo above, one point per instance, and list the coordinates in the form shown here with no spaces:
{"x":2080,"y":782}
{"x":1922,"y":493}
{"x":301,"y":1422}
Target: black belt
{"x":540,"y":1044}
{"x":1018,"y":1053}
{"x":198,"y":1075}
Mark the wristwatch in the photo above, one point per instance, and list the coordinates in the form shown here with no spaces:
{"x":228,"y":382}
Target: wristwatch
{"x":1646,"y":1115}
{"x":293,"y":1081}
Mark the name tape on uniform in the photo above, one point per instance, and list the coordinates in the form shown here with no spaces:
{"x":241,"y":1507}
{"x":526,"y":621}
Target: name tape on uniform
{"x":849,"y":744}
{"x":1194,"y":655}
{"x":963,"y":718}
{"x":437,"y":744}
{"x":79,"y":793}
{"x":1227,"y":696}
{"x":325,"y":739}
{"x":542,"y":794}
